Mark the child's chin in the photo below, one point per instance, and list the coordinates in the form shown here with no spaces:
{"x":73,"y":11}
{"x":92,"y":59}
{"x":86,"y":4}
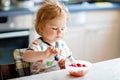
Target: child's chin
{"x":58,"y":39}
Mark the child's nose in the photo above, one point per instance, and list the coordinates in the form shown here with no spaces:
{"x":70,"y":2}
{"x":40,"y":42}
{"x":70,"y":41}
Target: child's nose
{"x":59,"y":31}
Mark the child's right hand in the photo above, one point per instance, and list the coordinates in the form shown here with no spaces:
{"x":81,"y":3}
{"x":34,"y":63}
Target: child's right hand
{"x":51,"y":52}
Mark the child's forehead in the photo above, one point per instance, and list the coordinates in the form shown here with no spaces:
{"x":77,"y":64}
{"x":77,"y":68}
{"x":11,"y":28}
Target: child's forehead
{"x":58,"y":19}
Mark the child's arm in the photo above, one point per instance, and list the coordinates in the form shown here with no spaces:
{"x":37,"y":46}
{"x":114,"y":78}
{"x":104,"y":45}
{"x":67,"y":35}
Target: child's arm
{"x":33,"y":56}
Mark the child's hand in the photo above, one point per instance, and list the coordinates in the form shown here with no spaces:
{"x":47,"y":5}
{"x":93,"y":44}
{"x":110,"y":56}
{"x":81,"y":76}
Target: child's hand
{"x":51,"y":51}
{"x":61,"y":63}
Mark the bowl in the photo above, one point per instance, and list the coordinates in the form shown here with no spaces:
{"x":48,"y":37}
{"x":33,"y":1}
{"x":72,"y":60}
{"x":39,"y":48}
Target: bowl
{"x":78,"y":68}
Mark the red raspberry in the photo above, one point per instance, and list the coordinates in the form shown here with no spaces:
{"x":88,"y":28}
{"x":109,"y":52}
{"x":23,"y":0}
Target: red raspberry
{"x":73,"y":65}
{"x":83,"y":65}
{"x":78,"y":65}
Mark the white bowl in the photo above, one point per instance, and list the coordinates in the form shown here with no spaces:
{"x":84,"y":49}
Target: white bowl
{"x":78,"y":68}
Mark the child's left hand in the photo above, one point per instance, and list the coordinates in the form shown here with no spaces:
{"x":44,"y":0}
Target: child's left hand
{"x":61,"y":63}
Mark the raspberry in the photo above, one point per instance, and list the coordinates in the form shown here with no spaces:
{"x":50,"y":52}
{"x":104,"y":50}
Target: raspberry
{"x":73,"y":65}
{"x":78,"y":65}
{"x":83,"y":65}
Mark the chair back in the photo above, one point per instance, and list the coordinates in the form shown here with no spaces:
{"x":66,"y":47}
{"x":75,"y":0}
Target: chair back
{"x":22,"y":67}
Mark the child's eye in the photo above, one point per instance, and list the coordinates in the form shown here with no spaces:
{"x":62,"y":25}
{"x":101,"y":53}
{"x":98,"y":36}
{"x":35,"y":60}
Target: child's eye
{"x":62,"y":29}
{"x":54,"y":28}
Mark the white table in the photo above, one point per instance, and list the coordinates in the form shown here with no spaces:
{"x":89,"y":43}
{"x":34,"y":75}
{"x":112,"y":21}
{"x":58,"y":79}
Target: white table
{"x":105,"y":70}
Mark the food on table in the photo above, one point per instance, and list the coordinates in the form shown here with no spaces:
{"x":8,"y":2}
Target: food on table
{"x":78,"y":68}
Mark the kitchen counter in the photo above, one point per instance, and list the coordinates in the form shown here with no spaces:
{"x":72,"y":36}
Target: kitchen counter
{"x":72,"y":8}
{"x":92,"y":6}
{"x":105,"y":70}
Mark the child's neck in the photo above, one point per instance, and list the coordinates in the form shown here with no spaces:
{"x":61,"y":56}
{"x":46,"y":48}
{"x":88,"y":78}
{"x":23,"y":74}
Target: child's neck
{"x":51,"y":44}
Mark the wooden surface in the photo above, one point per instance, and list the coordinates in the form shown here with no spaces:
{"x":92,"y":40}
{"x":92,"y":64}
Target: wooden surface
{"x":7,"y":71}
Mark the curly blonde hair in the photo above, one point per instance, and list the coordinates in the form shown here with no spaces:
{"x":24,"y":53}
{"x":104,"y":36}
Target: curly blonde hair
{"x":49,"y":10}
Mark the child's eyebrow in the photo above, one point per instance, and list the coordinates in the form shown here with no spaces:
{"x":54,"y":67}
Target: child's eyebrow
{"x":53,"y":25}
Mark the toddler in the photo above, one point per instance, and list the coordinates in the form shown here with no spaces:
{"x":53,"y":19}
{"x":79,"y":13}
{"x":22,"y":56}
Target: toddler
{"x":49,"y":52}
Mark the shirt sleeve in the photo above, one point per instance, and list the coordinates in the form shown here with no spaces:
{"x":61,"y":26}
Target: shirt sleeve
{"x":66,"y":51}
{"x":35,"y":45}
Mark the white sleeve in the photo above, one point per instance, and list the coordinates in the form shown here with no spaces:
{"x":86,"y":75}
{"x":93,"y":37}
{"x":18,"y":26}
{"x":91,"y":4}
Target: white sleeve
{"x":35,"y":46}
{"x":66,"y":51}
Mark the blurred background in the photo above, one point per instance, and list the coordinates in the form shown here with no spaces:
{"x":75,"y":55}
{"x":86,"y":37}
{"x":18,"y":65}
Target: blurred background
{"x":93,"y":29}
{"x":93,"y":32}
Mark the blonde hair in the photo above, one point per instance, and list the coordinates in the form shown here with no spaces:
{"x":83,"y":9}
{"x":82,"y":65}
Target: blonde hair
{"x":49,"y":10}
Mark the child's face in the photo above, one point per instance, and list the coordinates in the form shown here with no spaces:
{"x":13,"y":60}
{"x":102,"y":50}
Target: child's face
{"x":54,"y":29}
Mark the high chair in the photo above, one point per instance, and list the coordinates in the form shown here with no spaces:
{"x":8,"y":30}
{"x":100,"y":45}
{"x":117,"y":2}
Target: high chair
{"x":22,"y":67}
